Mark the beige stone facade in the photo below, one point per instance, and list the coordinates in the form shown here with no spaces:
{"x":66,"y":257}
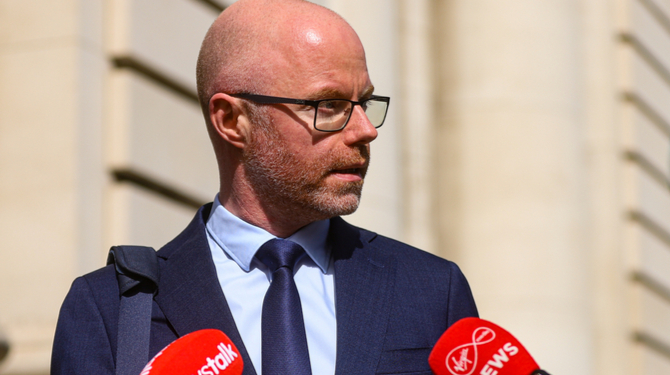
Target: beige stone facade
{"x":528,"y":141}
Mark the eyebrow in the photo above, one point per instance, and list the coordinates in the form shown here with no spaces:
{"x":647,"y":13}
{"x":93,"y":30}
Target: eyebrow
{"x":368,"y":92}
{"x":330,"y":93}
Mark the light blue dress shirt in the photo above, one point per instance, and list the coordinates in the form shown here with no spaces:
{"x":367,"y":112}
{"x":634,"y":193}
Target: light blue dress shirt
{"x":244,"y":281}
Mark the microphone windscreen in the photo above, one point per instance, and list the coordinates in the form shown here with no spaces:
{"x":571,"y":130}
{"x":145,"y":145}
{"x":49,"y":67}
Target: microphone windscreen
{"x":204,"y":352}
{"x":474,"y":346}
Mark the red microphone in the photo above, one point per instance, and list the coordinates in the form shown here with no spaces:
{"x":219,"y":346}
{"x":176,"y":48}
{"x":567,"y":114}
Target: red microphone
{"x":474,"y":346}
{"x":204,"y":352}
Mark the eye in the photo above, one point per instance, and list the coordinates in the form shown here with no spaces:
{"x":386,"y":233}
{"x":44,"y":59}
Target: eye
{"x":328,"y":105}
{"x":333,"y":107}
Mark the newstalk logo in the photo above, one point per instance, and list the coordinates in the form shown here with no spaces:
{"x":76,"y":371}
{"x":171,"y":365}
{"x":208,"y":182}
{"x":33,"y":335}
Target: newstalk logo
{"x":213,"y":366}
{"x":221,"y":361}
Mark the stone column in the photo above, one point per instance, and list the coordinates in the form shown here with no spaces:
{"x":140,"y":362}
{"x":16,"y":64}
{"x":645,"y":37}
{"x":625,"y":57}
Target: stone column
{"x":51,"y":171}
{"x":512,"y":169}
{"x":375,"y":22}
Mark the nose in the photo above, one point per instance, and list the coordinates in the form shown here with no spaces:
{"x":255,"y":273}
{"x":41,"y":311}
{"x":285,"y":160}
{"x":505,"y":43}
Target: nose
{"x":359,"y":130}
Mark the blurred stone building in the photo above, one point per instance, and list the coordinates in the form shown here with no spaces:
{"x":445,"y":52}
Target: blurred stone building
{"x":528,"y":140}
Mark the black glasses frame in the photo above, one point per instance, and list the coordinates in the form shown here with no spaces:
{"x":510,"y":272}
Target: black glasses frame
{"x":265,"y":99}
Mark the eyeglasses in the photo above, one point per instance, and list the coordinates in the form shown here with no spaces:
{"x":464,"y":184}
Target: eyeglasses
{"x":331,"y":115}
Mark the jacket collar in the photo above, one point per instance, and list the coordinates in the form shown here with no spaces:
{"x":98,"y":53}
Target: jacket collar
{"x":188,"y":291}
{"x":190,"y":296}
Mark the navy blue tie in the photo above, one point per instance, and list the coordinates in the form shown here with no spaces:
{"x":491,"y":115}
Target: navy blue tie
{"x":284,"y":342}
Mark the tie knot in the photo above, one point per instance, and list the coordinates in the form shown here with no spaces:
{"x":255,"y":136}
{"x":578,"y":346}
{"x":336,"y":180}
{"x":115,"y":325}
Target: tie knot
{"x":278,"y":253}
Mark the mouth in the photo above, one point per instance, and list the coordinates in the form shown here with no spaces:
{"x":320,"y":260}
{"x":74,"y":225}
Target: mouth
{"x":349,"y":171}
{"x":355,"y":172}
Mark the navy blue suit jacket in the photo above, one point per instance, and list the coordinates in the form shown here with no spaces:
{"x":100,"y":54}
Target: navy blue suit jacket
{"x":393,"y":302}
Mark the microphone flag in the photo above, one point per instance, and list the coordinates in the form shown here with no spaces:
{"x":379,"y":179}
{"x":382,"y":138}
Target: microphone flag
{"x":474,"y":346}
{"x":203,"y":352}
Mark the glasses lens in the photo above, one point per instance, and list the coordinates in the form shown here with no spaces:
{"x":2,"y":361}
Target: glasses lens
{"x":376,"y":111}
{"x":332,"y":115}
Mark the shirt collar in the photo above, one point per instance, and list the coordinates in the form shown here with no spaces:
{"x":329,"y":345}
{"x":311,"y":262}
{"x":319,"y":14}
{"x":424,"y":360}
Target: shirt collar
{"x":240,"y":240}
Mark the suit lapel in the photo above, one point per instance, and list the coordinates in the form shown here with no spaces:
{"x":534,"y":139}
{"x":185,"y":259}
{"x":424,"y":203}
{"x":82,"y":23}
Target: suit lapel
{"x":190,"y":296}
{"x":363,"y":284}
{"x":189,"y":293}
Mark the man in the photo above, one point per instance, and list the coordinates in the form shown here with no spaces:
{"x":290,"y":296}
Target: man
{"x":288,"y":168}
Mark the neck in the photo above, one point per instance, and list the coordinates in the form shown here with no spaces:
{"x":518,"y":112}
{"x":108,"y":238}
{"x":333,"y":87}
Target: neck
{"x":277,"y":221}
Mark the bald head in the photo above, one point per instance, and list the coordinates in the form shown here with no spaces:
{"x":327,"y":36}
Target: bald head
{"x":252,"y":43}
{"x":277,"y":171}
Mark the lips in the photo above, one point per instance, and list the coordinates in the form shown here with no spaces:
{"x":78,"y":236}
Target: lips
{"x":350,"y":166}
{"x":351,"y":171}
{"x":348,"y":171}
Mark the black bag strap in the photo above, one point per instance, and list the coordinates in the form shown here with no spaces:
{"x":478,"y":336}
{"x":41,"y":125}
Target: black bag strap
{"x":137,"y":274}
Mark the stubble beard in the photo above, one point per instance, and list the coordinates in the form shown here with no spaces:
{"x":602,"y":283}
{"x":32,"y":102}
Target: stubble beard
{"x":291,"y":186}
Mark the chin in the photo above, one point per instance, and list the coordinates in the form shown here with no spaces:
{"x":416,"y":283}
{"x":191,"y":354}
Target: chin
{"x":331,"y":206}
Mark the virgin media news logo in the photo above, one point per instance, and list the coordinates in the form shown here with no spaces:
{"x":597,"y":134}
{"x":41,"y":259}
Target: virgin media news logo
{"x":462,"y":360}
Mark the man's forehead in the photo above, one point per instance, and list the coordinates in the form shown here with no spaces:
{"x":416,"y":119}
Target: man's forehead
{"x":320,"y":76}
{"x":324,"y":59}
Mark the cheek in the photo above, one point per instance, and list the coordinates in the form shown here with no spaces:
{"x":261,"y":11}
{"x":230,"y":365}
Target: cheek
{"x":308,"y":150}
{"x":293,"y":124}
{"x":305,"y":146}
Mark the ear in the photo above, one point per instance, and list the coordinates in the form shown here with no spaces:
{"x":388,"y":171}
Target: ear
{"x":228,"y":119}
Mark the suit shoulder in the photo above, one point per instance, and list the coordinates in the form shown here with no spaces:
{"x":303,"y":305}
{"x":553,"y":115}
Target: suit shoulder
{"x":420,"y":273}
{"x":386,"y":245}
{"x":101,"y":282}
{"x":85,"y":335}
{"x":408,"y":254}
{"x":99,"y":290}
